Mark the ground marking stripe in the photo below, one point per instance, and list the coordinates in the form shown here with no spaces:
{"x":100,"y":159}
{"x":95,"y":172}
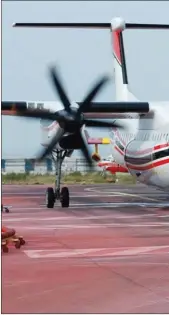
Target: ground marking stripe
{"x":91,"y":226}
{"x":96,"y":251}
{"x":96,"y":217}
{"x":123,"y":194}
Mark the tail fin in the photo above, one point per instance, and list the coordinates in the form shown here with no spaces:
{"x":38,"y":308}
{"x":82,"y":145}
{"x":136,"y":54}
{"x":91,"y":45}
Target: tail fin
{"x":120,"y":70}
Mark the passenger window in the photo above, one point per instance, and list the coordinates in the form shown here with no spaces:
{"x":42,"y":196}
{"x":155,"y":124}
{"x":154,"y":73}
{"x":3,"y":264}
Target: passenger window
{"x":31,"y":105}
{"x":154,"y":137}
{"x":40,"y":105}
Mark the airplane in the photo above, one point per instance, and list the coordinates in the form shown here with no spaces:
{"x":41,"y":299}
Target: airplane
{"x":108,"y":164}
{"x":111,"y":166}
{"x":140,"y":129}
{"x":62,"y":130}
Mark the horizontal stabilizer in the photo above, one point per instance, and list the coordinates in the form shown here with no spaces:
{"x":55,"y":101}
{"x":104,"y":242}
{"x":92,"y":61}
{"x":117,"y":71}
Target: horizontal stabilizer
{"x":92,"y":25}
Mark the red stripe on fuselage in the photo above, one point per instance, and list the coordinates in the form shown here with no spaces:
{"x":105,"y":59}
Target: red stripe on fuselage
{"x":148,"y":167}
{"x":145,"y":151}
{"x":149,"y":150}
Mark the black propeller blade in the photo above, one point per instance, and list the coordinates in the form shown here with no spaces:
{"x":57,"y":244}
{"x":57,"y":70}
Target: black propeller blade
{"x":59,"y":88}
{"x":88,"y":99}
{"x":49,"y":149}
{"x":39,"y":114}
{"x":70,"y":119}
{"x":73,"y":120}
{"x":85,"y":152}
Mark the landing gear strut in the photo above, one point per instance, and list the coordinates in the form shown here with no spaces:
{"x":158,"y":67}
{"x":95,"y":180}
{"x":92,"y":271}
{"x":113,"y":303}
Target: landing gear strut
{"x":57,"y":194}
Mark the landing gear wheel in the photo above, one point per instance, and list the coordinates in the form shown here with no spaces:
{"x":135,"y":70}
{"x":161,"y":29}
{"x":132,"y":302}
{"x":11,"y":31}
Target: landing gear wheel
{"x":5,"y":248}
{"x":64,"y":197}
{"x":22,"y":241}
{"x":17,"y":244}
{"x":50,"y":197}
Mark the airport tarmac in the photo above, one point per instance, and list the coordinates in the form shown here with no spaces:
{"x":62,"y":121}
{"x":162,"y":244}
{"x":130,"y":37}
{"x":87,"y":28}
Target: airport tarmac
{"x":107,"y":253}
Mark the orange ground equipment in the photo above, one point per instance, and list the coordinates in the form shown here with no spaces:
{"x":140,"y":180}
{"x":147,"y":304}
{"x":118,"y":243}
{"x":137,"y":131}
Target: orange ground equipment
{"x":8,"y":236}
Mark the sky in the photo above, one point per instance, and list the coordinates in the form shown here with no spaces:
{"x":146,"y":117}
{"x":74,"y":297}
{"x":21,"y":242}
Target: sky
{"x":82,"y":57}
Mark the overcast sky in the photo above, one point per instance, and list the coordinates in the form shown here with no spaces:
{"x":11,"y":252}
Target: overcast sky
{"x":82,"y":56}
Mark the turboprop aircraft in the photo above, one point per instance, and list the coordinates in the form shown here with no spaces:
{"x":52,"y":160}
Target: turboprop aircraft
{"x":111,"y":166}
{"x":141,"y":129}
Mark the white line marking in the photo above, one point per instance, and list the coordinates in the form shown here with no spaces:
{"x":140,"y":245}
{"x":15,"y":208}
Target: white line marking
{"x":93,"y":226}
{"x":14,"y":284}
{"x":121,"y":194}
{"x":97,"y":217}
{"x":99,"y":205}
{"x":38,"y":195}
{"x":92,"y":252}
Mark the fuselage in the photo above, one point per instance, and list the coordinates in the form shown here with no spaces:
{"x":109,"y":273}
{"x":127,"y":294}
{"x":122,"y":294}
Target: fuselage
{"x":144,"y":148}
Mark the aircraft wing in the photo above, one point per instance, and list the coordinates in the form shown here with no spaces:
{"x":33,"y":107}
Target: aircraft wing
{"x":103,"y":110}
{"x":10,"y":107}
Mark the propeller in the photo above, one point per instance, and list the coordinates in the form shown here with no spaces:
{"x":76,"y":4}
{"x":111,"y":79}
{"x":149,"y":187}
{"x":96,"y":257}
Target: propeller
{"x":70,"y":119}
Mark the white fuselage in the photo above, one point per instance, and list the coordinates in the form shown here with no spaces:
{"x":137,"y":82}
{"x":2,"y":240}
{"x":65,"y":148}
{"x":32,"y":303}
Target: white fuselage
{"x":143,"y":146}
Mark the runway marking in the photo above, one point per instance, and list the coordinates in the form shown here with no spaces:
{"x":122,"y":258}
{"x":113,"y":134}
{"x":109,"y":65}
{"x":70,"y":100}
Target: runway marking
{"x":92,"y":226}
{"x":97,"y":217}
{"x":122,"y":194}
{"x":113,"y":216}
{"x":31,"y":194}
{"x":94,"y":252}
{"x":98,"y":205}
{"x":14,"y":284}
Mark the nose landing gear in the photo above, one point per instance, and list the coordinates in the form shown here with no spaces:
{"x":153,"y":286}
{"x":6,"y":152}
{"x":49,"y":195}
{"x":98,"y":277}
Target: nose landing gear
{"x":58,"y":194}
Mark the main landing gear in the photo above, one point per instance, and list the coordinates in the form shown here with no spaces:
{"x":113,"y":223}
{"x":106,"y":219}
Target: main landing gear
{"x":58,"y":194}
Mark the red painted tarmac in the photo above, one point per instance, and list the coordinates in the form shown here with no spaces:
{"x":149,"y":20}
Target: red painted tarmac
{"x":94,"y":257}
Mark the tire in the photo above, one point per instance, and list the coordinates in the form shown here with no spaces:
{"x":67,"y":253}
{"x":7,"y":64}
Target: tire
{"x":50,"y":197}
{"x":5,"y":249}
{"x":64,"y":197}
{"x":22,"y":241}
{"x":18,"y":244}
